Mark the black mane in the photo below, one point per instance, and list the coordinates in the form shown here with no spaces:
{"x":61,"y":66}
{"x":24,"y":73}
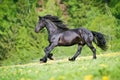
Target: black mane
{"x":56,"y":21}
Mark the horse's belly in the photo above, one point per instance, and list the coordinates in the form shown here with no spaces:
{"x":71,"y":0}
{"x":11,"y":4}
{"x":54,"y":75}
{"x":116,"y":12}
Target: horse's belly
{"x":68,"y":40}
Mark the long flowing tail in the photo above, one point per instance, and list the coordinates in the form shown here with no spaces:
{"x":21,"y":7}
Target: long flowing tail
{"x":99,"y":40}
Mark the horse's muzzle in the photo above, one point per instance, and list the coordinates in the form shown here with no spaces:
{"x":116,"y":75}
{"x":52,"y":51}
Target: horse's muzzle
{"x":36,"y":30}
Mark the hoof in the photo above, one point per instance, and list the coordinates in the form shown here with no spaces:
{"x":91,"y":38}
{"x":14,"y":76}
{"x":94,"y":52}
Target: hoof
{"x":95,"y":57}
{"x":50,"y":56}
{"x":43,"y":60}
{"x":71,"y":59}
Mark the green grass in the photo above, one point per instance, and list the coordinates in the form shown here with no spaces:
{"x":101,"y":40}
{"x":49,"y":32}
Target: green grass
{"x":105,"y":67}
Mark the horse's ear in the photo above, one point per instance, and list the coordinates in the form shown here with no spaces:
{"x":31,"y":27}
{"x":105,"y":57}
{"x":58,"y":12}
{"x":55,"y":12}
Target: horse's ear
{"x":40,"y":17}
{"x":43,"y":17}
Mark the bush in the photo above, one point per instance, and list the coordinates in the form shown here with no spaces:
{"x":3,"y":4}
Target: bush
{"x":19,"y":43}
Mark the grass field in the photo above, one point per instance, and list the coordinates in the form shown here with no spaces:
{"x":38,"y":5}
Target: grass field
{"x":105,"y":67}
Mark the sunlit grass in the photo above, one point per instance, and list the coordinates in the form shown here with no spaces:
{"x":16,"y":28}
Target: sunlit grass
{"x":105,"y":67}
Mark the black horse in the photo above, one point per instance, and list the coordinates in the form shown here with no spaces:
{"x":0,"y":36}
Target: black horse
{"x":60,"y":35}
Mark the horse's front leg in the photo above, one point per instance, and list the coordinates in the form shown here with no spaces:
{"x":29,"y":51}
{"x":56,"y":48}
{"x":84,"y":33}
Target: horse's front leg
{"x":47,"y":51}
{"x":49,"y":54}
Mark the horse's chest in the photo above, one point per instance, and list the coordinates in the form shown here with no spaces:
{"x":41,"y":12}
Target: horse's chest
{"x":53,"y":38}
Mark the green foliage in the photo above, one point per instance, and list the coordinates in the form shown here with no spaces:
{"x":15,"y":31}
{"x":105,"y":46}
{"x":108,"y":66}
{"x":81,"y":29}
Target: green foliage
{"x":79,"y":10}
{"x":115,"y":8}
{"x":78,"y":16}
{"x":19,"y":43}
{"x":5,"y":23}
{"x":51,"y":7}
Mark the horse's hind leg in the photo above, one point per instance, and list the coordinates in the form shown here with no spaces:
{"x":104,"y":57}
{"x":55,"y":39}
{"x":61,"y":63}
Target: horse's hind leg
{"x":93,"y":49}
{"x":77,"y":53}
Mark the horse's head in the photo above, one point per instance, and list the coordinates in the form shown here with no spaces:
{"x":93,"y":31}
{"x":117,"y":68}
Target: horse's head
{"x":40,"y":25}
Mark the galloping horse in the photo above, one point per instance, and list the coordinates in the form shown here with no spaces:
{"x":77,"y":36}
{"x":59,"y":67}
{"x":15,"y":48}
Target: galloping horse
{"x":60,"y":35}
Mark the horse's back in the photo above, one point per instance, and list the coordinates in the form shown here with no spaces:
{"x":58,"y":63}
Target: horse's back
{"x":82,"y":32}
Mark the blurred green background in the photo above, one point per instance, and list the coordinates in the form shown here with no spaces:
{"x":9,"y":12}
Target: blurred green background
{"x":19,"y":43}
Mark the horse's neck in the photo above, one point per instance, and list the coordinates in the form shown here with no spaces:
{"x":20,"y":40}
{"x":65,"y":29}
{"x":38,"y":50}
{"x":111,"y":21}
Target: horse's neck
{"x":51,"y":27}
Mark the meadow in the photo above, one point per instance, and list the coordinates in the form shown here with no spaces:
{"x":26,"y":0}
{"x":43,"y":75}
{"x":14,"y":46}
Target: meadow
{"x":105,"y":67}
{"x":21,"y":47}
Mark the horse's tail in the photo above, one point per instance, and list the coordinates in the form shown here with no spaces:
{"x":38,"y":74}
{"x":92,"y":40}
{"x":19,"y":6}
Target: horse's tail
{"x":99,"y":40}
